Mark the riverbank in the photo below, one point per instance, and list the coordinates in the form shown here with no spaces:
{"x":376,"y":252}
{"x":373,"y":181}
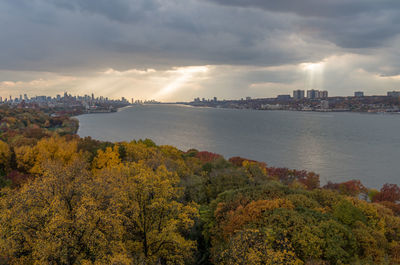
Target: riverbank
{"x":374,"y":104}
{"x":295,"y":110}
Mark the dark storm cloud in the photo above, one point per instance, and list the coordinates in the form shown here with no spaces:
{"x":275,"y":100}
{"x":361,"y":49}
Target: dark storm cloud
{"x":359,"y":31}
{"x":317,"y":8}
{"x":347,"y":23}
{"x":87,"y":35}
{"x":118,"y":10}
{"x":57,"y":34}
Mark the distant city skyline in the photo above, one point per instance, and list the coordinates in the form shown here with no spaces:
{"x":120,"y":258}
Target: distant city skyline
{"x":163,"y":50}
{"x":310,"y":94}
{"x":296,"y":95}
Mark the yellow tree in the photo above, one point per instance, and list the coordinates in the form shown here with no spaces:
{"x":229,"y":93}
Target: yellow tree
{"x":138,"y":151}
{"x":254,"y":247}
{"x":5,"y":155}
{"x":25,"y":157}
{"x":155,"y":223}
{"x":31,"y":159}
{"x":60,"y":218}
{"x":107,"y":159}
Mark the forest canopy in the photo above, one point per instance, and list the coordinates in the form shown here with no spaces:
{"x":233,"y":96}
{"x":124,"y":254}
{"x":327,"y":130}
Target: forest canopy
{"x":71,"y":200}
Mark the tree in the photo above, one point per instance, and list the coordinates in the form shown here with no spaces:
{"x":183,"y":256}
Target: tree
{"x":154,"y":221}
{"x":107,"y":159}
{"x":339,"y":243}
{"x":59,"y":219}
{"x":5,"y":156}
{"x":205,"y":156}
{"x":69,"y":216}
{"x":347,"y":213}
{"x":371,"y":243}
{"x":56,"y":149}
{"x":235,"y":220}
{"x":252,"y":246}
{"x":389,"y":193}
{"x":351,"y":188}
{"x":139,"y":151}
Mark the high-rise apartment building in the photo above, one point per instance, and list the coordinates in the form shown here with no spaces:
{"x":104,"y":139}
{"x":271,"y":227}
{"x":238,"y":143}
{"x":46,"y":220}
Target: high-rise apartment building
{"x":323,"y":94}
{"x":358,"y":94}
{"x":314,"y":94}
{"x":298,"y":94}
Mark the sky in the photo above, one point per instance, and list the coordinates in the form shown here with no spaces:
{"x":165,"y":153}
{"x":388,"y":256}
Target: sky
{"x":175,"y":50}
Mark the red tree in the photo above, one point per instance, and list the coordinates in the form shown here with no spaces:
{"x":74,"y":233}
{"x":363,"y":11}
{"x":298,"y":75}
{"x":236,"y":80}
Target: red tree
{"x":389,"y":193}
{"x":17,"y":178}
{"x":351,"y":188}
{"x":205,"y":156}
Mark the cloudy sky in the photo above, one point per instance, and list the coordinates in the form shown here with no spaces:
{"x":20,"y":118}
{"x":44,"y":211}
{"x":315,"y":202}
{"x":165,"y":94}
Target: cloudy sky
{"x":175,"y":50}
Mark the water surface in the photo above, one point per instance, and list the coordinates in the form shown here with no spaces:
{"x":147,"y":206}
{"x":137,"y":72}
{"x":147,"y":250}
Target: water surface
{"x":338,"y":146}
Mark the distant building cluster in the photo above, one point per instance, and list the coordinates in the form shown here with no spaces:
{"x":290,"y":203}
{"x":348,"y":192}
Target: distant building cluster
{"x":313,"y":100}
{"x":393,"y":94}
{"x":283,"y":97}
{"x":311,"y":94}
{"x":89,"y":102}
{"x":140,"y":102}
{"x":198,"y":100}
{"x":316,"y":94}
{"x":86,"y":99}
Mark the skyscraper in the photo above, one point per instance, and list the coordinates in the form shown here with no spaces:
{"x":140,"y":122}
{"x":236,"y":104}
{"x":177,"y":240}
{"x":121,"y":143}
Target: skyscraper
{"x":312,"y":94}
{"x":323,"y":94}
{"x":298,"y":94}
{"x":359,"y":94}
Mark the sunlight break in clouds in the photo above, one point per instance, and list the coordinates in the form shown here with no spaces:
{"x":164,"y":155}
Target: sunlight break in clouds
{"x":132,"y":83}
{"x":185,"y":75}
{"x":143,"y":84}
{"x":314,"y":75}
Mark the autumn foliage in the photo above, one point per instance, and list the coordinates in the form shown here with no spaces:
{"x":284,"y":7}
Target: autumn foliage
{"x":388,"y":193}
{"x":352,"y":187}
{"x":205,"y":156}
{"x":71,"y":200}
